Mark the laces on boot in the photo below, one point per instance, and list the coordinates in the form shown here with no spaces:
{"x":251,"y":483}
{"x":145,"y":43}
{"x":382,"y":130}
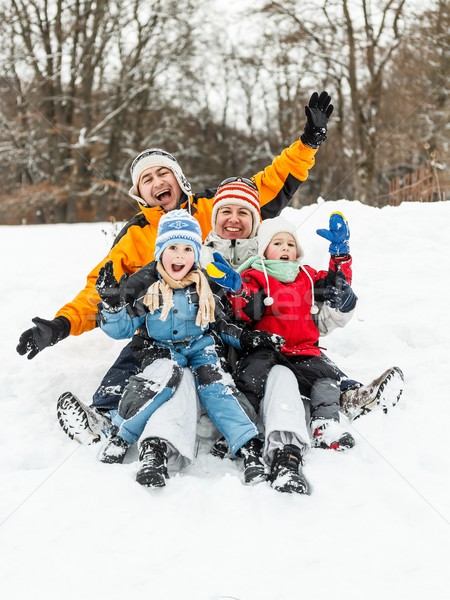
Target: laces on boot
{"x":153,"y":456}
{"x":286,"y":472}
{"x":288,"y":458}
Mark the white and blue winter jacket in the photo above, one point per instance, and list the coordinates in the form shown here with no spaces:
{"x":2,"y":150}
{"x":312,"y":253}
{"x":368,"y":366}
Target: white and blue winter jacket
{"x":180,"y":323}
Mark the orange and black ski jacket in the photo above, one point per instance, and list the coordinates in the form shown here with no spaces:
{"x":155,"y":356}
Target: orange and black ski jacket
{"x":134,"y":246}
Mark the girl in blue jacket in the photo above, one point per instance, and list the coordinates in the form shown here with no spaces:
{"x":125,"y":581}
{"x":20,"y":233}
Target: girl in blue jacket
{"x":177,"y":317}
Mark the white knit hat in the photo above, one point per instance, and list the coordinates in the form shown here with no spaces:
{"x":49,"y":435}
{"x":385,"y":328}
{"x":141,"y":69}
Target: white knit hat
{"x":236,"y":191}
{"x":155,"y":157}
{"x":267,"y":231}
{"x":270,"y":227}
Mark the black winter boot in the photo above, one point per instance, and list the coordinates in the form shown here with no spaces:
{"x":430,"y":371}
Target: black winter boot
{"x":286,"y":472}
{"x":220,"y":448}
{"x":114,"y":451}
{"x":153,"y":456}
{"x":254,"y":469}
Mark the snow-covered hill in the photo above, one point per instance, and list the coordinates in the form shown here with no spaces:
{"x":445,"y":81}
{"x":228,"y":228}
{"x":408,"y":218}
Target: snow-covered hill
{"x":377,"y":522}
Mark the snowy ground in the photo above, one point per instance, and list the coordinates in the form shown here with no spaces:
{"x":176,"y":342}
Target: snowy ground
{"x":377,"y":523}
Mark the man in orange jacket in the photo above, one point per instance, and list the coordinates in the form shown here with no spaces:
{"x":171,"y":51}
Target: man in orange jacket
{"x":159,"y":185}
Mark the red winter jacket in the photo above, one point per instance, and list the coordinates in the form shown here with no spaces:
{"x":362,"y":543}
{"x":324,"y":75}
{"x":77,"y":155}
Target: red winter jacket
{"x":290,"y":314}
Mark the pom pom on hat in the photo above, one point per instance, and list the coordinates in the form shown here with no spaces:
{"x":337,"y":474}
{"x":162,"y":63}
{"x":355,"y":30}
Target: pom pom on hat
{"x":242,"y":194}
{"x":156,"y":157}
{"x":270,"y":227}
{"x":178,"y":227}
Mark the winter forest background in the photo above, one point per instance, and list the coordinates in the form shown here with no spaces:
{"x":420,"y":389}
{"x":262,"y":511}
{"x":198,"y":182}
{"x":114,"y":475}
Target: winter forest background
{"x":87,"y":85}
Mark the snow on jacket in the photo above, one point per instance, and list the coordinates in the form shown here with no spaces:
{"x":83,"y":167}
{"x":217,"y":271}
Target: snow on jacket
{"x":180,"y":323}
{"x":134,"y":246}
{"x":290,"y":314}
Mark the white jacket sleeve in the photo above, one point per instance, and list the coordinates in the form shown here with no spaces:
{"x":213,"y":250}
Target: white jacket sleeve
{"x":329,"y":318}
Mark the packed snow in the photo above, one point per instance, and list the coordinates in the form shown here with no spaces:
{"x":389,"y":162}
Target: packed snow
{"x":377,"y":522}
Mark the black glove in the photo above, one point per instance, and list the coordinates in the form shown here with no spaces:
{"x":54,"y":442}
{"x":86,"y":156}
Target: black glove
{"x":251,"y":339}
{"x":317,"y":113}
{"x":340,"y":296}
{"x":46,"y":333}
{"x":109,"y":289}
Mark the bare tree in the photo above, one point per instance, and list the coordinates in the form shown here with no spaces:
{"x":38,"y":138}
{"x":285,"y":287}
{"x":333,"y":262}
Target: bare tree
{"x":83,"y":73}
{"x":354,"y":45}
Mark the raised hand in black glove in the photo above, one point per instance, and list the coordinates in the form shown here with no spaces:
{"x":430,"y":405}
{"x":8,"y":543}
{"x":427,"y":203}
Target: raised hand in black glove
{"x":46,"y":333}
{"x":317,"y":113}
{"x":109,"y":289}
{"x":340,"y":296}
{"x":251,"y":339}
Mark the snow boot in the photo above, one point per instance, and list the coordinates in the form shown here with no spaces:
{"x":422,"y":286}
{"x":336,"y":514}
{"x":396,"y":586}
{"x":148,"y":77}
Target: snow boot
{"x":286,"y":471}
{"x":254,"y":468}
{"x":153,"y":457}
{"x":385,"y":390}
{"x":329,"y":434}
{"x":80,"y":422}
{"x":114,"y":451}
{"x":220,"y":448}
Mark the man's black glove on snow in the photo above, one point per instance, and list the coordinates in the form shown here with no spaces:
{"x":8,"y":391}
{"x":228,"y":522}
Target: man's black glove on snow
{"x":341,"y":296}
{"x":317,"y":113}
{"x":260,"y":339}
{"x":109,"y":289}
{"x":46,"y":333}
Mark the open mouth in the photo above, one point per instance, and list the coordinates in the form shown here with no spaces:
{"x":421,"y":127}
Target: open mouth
{"x":177,"y":268}
{"x":284,"y":257}
{"x":163,"y":195}
{"x":233,"y":229}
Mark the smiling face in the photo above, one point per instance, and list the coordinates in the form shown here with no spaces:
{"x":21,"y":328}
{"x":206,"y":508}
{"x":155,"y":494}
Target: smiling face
{"x":158,"y":186}
{"x":234,"y":222}
{"x":178,"y":260}
{"x":282,"y":247}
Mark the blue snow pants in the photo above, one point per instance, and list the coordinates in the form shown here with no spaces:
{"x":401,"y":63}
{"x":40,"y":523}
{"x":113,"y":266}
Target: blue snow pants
{"x":215,"y":388}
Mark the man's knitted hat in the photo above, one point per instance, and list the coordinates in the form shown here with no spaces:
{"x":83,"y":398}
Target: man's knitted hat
{"x":155,"y":157}
{"x":270,"y":227}
{"x":178,"y":227}
{"x":242,"y":194}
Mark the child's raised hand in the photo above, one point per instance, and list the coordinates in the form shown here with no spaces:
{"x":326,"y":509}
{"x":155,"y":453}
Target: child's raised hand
{"x":338,"y":234}
{"x":221,"y":272}
{"x":108,"y":288}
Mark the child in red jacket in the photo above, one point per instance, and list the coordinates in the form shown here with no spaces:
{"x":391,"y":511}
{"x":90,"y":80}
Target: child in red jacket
{"x":282,"y":297}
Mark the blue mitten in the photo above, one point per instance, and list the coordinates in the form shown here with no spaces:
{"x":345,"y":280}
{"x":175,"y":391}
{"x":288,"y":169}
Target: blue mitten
{"x":221,"y":272}
{"x":338,"y":234}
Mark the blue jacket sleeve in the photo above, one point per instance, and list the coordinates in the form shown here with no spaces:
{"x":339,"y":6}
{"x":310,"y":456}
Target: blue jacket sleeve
{"x":119,"y":325}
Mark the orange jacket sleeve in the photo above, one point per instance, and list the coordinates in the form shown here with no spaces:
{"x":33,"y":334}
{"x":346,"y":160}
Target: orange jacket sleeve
{"x":135,"y":244}
{"x":279,"y":181}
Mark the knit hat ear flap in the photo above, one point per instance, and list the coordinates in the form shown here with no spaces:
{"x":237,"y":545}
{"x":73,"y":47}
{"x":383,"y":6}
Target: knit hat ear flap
{"x":156,"y":157}
{"x":178,"y":227}
{"x":270,"y":227}
{"x":240,"y":194}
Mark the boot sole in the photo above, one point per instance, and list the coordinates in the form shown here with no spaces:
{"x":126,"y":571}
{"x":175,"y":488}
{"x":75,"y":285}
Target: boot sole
{"x":151,"y":480}
{"x":387,"y":394}
{"x":74,"y":421}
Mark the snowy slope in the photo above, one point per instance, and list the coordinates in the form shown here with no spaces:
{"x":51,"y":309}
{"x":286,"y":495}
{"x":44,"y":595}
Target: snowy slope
{"x":377,"y":523}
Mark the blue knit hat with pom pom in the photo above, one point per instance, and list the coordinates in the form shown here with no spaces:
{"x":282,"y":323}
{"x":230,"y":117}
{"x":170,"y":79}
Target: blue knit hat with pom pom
{"x":178,"y":227}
